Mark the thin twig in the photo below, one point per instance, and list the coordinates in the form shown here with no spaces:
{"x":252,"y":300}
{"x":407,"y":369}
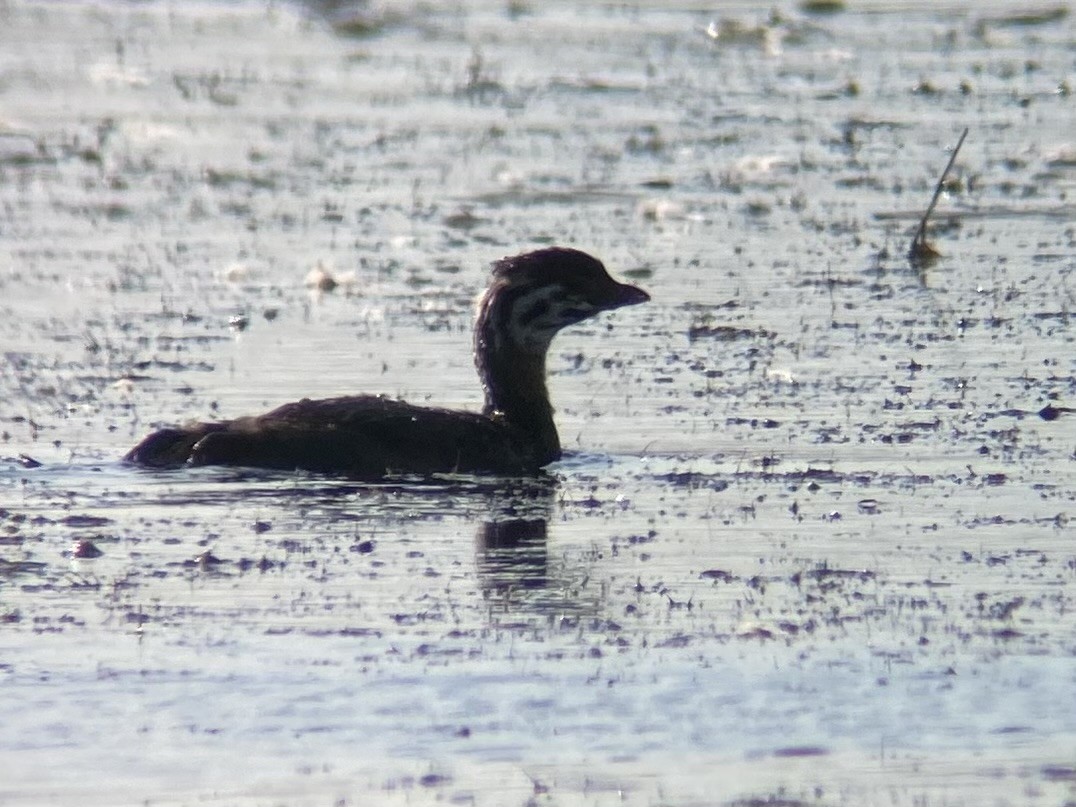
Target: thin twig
{"x":920,"y":249}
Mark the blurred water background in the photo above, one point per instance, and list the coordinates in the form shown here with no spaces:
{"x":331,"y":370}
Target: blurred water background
{"x":813,"y":542}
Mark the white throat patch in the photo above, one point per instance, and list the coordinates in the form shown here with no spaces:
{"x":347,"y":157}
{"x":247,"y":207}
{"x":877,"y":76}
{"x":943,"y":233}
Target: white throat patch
{"x":537,"y":315}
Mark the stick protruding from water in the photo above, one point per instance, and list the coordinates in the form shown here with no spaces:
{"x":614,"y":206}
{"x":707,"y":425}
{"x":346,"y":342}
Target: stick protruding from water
{"x":921,"y":250}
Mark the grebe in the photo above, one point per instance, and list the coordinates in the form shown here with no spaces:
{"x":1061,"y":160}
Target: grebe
{"x":530,"y":298}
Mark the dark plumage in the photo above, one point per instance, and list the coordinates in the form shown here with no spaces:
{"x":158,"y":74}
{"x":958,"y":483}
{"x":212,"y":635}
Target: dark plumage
{"x":530,"y":298}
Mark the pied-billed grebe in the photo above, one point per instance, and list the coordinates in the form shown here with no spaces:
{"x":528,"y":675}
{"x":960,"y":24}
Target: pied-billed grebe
{"x":531,"y":297}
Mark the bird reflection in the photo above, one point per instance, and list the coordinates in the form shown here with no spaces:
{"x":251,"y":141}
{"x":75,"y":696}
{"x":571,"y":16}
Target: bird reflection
{"x":517,"y":573}
{"x":512,"y":555}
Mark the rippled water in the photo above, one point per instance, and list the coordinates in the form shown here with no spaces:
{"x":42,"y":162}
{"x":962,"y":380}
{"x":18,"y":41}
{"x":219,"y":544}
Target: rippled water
{"x":813,"y":543}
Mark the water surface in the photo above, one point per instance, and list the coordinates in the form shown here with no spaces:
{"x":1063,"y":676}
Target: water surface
{"x":813,"y":541}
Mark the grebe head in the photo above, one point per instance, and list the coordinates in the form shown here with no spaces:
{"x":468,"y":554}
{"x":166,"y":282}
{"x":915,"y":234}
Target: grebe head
{"x":536,"y":294}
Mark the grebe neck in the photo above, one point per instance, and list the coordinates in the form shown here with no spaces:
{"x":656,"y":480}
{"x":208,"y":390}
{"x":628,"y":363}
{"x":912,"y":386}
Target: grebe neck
{"x":510,"y":356}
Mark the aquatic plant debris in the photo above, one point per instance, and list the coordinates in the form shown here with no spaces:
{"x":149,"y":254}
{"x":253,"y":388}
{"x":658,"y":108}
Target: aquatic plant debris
{"x":922,"y":252}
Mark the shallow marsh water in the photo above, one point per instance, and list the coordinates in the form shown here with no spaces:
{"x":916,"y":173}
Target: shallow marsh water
{"x":814,"y":541}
